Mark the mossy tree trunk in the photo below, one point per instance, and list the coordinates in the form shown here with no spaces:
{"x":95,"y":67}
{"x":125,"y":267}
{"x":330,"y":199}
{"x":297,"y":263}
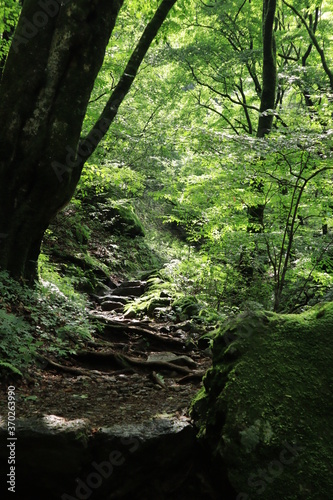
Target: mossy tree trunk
{"x":56,"y":53}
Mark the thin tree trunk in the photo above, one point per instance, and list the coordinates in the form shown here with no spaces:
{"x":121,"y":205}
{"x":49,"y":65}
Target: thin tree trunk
{"x":267,"y":103}
{"x":315,"y":42}
{"x":269,"y":73}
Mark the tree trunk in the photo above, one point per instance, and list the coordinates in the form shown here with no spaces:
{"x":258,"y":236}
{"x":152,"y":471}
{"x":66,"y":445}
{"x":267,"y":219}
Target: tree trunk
{"x":269,"y":73}
{"x":54,"y":59}
{"x":268,"y":95}
{"x":53,"y":62}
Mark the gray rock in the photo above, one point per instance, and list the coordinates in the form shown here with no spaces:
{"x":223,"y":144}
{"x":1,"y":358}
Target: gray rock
{"x":130,"y":291}
{"x":160,"y":311}
{"x":112,"y":306}
{"x":169,"y":357}
{"x":60,"y":459}
{"x":130,"y":314}
{"x":186,"y":326}
{"x":52,"y":425}
{"x":50,"y":451}
{"x":114,"y":298}
{"x":153,"y":429}
{"x":126,"y":284}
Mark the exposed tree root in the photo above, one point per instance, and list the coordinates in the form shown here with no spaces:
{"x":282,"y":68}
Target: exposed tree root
{"x":126,"y":361}
{"x":192,"y":376}
{"x":156,"y":379}
{"x":79,"y":371}
{"x":144,"y":331}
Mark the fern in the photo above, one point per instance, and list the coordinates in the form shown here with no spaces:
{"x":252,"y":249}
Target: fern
{"x":11,"y":367}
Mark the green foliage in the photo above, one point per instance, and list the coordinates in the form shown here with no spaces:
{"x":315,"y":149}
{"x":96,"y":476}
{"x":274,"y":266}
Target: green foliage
{"x":181,"y":166}
{"x":9,"y":14}
{"x":183,"y":151}
{"x":109,"y":180}
{"x":186,"y":139}
{"x":8,"y":366}
{"x":186,"y":307}
{"x":161,"y":293}
{"x":34,"y":322}
{"x":120,"y":217}
{"x":17,"y":345}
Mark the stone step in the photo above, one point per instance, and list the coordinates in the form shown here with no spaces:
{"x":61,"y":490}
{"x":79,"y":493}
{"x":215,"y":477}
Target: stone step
{"x":114,"y":298}
{"x":110,"y":305}
{"x":107,"y":297}
{"x":130,"y":291}
{"x":126,"y":284}
{"x":170,"y":357}
{"x":61,"y":459}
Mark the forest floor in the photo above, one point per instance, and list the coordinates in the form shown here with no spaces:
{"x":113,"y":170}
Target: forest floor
{"x":102,"y":386}
{"x":133,"y":368}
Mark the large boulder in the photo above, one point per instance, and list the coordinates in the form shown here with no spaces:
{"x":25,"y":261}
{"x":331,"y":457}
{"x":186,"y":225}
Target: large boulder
{"x":266,"y":409}
{"x":58,"y":459}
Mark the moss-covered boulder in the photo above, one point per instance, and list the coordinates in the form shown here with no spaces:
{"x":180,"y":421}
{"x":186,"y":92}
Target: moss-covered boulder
{"x":266,"y":409}
{"x":121,"y":218}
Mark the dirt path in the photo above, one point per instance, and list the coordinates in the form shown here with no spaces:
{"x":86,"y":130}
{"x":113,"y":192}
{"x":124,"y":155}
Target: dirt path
{"x":130,"y":372}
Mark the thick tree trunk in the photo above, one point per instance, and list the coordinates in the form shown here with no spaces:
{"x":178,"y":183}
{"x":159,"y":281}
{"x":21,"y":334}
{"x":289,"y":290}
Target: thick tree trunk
{"x":54,"y":59}
{"x":269,"y":73}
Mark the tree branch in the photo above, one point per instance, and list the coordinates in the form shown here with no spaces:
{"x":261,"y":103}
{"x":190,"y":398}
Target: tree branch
{"x":91,"y":141}
{"x":221,"y":94}
{"x":314,"y":40}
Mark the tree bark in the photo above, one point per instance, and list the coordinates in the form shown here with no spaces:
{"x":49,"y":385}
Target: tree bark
{"x":267,"y":103}
{"x":54,"y":59}
{"x":269,"y":73}
{"x":53,"y":62}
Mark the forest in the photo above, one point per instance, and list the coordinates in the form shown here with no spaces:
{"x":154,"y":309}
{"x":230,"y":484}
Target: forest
{"x":166,"y":249}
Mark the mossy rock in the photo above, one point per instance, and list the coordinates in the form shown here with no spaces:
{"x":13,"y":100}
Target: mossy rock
{"x":121,"y":218}
{"x":187,"y":306}
{"x":266,"y":409}
{"x":157,"y":303}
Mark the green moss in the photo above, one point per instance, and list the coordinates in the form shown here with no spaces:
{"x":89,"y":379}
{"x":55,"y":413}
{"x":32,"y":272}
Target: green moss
{"x":120,"y":217}
{"x":266,"y":409}
{"x":187,"y":306}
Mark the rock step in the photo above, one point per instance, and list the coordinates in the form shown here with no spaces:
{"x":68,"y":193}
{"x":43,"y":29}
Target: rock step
{"x":107,"y":297}
{"x":114,"y":298}
{"x":110,"y":305}
{"x":127,"y":284}
{"x":130,"y":291}
{"x":61,"y":459}
{"x":170,"y":357}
